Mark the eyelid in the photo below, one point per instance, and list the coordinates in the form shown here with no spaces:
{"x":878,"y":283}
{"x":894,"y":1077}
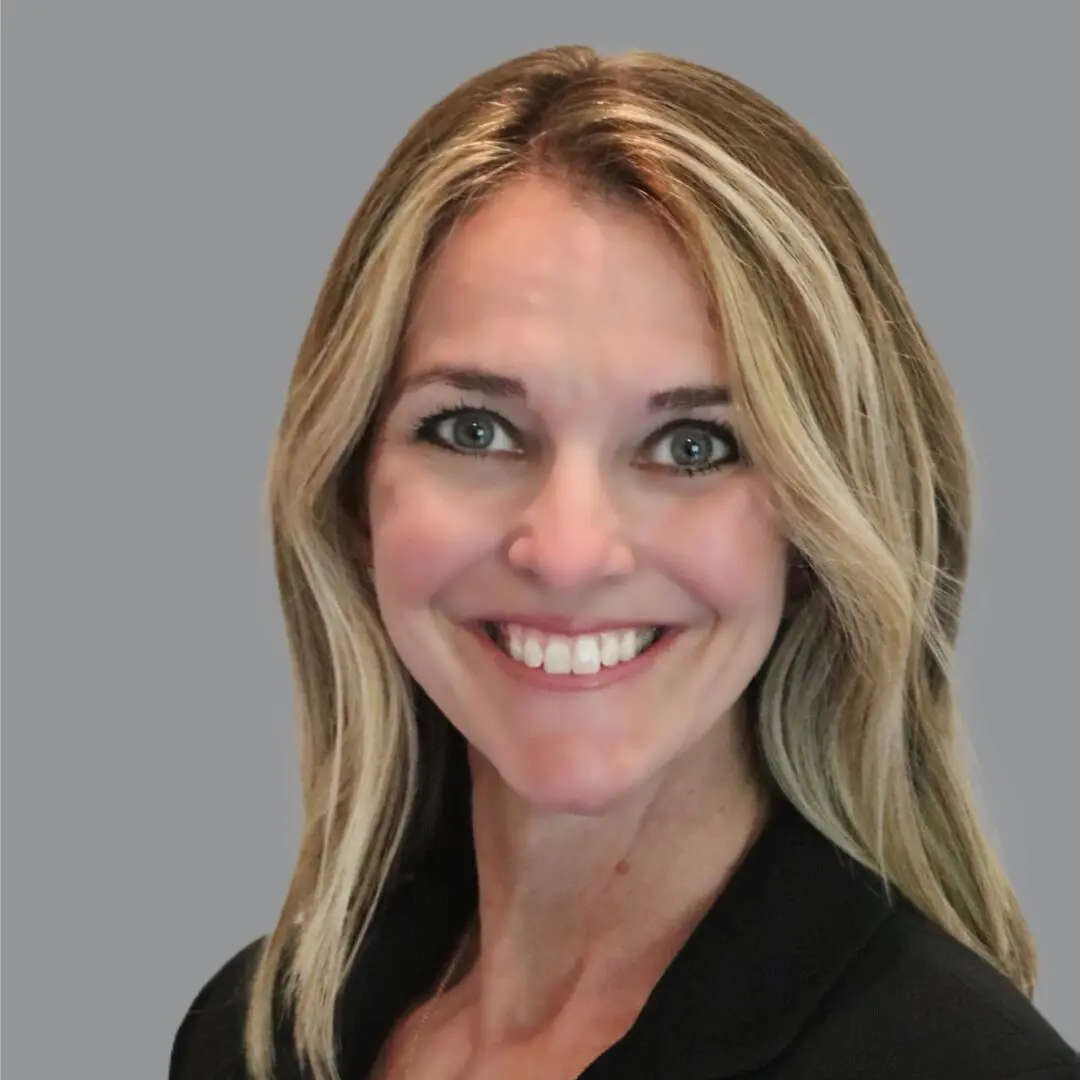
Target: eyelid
{"x":718,"y":429}
{"x":427,"y":424}
{"x":721,"y":429}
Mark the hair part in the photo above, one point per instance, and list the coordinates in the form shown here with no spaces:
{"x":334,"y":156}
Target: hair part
{"x":843,"y":403}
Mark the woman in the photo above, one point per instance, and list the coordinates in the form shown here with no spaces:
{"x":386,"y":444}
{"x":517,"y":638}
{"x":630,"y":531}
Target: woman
{"x":621,"y":516}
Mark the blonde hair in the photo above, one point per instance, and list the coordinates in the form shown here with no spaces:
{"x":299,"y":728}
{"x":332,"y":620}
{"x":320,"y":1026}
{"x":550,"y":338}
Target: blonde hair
{"x":843,"y":403}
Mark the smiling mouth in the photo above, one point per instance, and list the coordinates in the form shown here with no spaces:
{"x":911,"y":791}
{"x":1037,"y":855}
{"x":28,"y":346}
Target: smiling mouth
{"x":579,"y":654}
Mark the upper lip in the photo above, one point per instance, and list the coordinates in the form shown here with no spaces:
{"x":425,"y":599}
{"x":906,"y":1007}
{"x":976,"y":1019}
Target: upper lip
{"x":557,"y":624}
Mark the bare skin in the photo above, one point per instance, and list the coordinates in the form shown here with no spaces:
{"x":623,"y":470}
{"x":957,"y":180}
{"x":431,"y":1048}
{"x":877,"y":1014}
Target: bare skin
{"x":606,"y":821}
{"x":523,"y":1013}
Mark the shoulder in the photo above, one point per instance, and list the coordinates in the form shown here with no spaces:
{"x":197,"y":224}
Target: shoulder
{"x":209,"y":1044}
{"x":917,"y":1002}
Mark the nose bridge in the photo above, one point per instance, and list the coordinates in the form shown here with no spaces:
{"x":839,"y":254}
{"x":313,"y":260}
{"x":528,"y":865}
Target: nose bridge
{"x":573,"y":530}
{"x":575,"y":494}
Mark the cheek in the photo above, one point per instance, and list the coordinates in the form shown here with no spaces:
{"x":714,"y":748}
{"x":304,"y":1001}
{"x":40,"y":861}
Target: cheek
{"x":729,"y":546}
{"x":423,"y":532}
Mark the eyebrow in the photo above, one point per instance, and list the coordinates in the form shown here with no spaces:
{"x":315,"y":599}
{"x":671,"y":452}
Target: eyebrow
{"x":482,"y":382}
{"x":504,"y":386}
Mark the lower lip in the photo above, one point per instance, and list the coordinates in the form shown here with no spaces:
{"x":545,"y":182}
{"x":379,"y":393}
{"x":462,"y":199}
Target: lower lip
{"x":606,"y":676}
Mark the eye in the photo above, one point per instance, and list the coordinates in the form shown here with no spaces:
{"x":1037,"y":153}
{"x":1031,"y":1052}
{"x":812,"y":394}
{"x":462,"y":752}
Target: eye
{"x":692,"y":447}
{"x":467,"y":430}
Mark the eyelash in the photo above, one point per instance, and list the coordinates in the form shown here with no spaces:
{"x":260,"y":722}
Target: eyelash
{"x":426,"y":430}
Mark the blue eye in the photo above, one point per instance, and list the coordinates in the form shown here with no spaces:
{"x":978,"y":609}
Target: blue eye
{"x":685,"y":447}
{"x":691,"y":447}
{"x":468,"y":431}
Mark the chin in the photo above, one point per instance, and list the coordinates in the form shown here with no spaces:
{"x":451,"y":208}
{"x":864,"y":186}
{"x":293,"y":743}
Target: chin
{"x":579,"y":800}
{"x":560,"y":776}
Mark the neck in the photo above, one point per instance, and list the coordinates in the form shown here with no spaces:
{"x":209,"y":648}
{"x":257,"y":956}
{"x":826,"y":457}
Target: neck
{"x":579,"y":916}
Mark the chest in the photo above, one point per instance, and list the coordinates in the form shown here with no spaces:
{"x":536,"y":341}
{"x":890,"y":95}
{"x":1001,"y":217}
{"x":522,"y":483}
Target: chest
{"x":415,"y":1051}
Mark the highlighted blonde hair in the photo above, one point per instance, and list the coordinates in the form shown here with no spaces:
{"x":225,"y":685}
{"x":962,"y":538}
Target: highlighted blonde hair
{"x":843,"y":403}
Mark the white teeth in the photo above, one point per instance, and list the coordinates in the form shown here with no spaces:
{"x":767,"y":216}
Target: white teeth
{"x":557,"y":656}
{"x":585,"y":654}
{"x":533,"y":652}
{"x":609,"y":649}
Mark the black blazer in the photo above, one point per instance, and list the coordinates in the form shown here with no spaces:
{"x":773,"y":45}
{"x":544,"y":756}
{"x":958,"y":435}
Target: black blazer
{"x":801,"y":970}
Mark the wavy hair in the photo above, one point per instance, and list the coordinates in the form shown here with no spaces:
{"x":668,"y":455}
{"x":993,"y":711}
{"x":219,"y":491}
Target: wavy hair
{"x":842,"y":400}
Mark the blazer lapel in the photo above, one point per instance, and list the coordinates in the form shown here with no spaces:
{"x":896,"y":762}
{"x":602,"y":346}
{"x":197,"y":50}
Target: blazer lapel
{"x":791,"y":918}
{"x":793,"y":915}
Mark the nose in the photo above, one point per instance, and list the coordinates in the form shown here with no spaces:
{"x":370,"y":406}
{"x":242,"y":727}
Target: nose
{"x":570,"y":535}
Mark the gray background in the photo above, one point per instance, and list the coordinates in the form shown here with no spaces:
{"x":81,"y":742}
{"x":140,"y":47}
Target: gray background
{"x":176,"y":179}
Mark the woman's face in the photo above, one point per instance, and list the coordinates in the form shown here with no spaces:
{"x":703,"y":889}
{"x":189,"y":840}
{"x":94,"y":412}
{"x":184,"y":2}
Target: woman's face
{"x":570,"y":556}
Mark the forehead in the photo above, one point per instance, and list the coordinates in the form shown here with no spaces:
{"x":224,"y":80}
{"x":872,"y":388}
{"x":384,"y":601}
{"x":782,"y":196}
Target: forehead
{"x":542,"y":274}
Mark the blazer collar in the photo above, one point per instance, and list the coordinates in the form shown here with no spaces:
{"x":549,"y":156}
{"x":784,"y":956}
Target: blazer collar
{"x":791,"y":918}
